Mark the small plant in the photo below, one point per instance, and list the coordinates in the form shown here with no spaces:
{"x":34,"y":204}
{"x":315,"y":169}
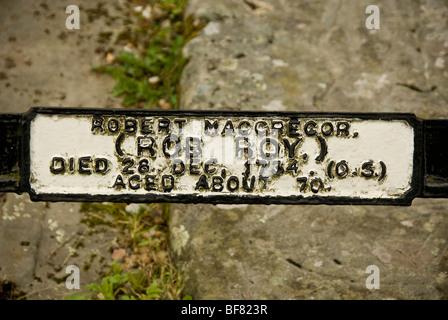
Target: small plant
{"x":146,"y":74}
{"x":111,"y":285}
{"x":146,"y":271}
{"x":150,"y":77}
{"x":152,"y":292}
{"x":133,"y":285}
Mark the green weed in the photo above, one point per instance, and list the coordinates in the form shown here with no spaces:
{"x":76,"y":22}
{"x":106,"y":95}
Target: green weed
{"x":150,"y":77}
{"x":146,"y":272}
{"x":134,"y":285}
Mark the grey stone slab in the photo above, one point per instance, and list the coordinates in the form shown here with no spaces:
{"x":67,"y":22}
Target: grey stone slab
{"x":44,"y":64}
{"x":315,"y":56}
{"x":40,"y":240}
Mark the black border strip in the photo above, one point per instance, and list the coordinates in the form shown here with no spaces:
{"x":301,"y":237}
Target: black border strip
{"x":10,"y":152}
{"x":414,"y":191}
{"x":410,"y":117}
{"x":25,"y":158}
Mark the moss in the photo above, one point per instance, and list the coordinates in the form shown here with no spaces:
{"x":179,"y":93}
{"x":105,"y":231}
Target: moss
{"x":86,"y":266}
{"x":101,"y":214}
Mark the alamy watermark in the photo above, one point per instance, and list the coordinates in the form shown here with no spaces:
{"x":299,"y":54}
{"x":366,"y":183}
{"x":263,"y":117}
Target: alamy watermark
{"x":373,"y":21}
{"x":373,"y":281}
{"x":72,"y":21}
{"x":72,"y":281}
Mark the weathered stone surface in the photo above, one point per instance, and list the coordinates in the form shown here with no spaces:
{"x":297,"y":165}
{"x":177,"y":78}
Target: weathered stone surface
{"x":44,"y":64}
{"x":40,"y":240}
{"x":279,"y":252}
{"x":315,"y":56}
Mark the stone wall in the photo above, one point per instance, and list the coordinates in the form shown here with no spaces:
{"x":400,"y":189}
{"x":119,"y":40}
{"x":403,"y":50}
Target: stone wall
{"x":279,"y":55}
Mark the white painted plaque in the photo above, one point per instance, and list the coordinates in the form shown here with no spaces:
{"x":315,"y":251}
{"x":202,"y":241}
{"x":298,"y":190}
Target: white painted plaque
{"x":201,"y":156}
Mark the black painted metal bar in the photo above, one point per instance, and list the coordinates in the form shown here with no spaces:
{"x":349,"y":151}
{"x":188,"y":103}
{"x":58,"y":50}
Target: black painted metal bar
{"x":10,"y":152}
{"x":435,"y":134}
{"x":430,"y":177}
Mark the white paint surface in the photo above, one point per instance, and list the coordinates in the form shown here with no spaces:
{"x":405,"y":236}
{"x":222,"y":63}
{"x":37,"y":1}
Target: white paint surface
{"x":391,"y":142}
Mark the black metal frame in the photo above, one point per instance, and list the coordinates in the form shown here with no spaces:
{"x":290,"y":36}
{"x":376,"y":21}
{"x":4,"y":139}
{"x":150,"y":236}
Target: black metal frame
{"x":428,"y":134}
